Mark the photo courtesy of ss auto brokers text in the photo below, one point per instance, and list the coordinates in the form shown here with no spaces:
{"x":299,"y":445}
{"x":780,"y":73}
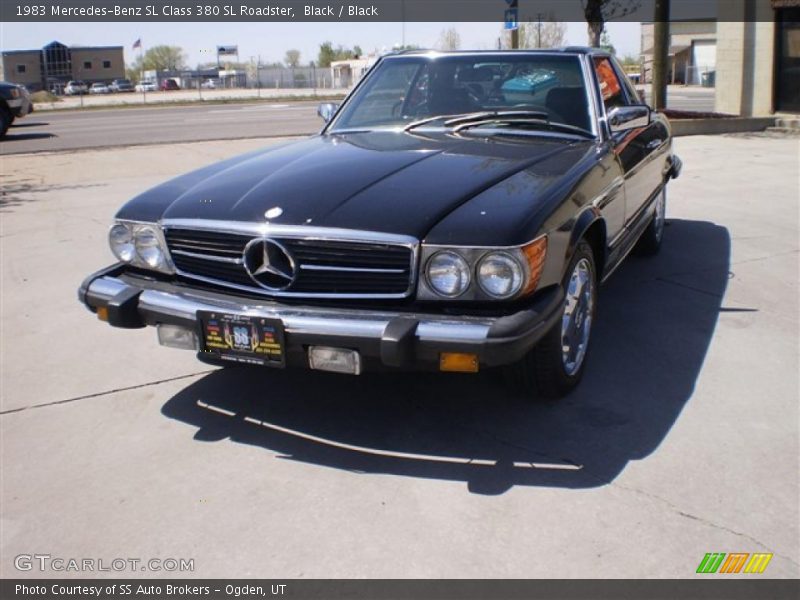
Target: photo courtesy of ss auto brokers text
{"x":288,"y":286}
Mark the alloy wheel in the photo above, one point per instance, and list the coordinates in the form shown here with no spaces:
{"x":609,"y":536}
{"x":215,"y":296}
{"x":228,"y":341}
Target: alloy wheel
{"x":576,"y":322}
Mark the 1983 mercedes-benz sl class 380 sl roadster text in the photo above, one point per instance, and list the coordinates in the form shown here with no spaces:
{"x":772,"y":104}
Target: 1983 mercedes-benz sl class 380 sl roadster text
{"x":457,"y":212}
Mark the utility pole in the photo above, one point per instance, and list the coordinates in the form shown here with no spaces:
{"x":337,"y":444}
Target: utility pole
{"x":539,"y":30}
{"x":403,"y":19}
{"x":660,"y":54}
{"x":512,"y":21}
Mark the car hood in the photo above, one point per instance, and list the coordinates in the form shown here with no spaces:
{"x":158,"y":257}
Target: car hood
{"x":378,"y":181}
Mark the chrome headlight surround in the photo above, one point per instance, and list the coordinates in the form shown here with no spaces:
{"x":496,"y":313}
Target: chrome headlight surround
{"x":141,"y":245}
{"x":521,"y":265}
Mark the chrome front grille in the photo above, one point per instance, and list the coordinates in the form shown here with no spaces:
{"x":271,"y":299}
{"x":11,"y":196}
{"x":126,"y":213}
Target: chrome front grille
{"x":326,"y":266}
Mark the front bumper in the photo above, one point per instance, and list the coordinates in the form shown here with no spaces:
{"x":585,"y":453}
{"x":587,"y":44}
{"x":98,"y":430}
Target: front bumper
{"x":383,"y":338}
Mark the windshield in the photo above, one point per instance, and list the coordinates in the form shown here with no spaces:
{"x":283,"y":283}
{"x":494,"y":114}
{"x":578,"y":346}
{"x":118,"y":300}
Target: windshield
{"x":404,"y":90}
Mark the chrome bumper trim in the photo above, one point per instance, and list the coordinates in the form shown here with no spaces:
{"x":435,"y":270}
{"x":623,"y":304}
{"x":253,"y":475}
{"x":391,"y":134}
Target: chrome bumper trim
{"x":296,"y":320}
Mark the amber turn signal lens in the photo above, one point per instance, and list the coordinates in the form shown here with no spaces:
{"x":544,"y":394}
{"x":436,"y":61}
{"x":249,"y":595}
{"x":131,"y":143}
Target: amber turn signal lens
{"x":102,"y":313}
{"x":458,"y":362}
{"x":535,"y":253}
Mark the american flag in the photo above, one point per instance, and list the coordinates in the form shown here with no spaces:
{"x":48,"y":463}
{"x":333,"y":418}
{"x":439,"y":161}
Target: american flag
{"x":137,"y":44}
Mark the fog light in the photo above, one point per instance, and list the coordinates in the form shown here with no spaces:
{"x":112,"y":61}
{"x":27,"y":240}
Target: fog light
{"x":458,"y":362}
{"x":102,"y":313}
{"x":337,"y":360}
{"x":174,"y":336}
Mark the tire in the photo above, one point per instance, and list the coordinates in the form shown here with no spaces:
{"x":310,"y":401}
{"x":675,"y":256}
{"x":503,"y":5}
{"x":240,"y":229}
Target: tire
{"x":547,"y":371}
{"x":650,"y":242}
{"x":5,"y":121}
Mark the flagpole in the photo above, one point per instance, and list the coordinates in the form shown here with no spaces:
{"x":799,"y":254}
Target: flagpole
{"x":141,"y":77}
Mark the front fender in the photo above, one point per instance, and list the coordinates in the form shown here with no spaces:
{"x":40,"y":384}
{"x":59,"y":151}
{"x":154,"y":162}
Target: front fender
{"x":589,"y":225}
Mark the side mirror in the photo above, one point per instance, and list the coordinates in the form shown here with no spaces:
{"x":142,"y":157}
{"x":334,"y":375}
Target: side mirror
{"x":326,"y":110}
{"x":625,"y":118}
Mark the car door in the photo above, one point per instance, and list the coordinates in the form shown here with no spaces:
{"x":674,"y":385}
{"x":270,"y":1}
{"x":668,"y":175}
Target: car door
{"x":637,"y":149}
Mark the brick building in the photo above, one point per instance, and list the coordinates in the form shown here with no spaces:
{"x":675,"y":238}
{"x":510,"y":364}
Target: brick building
{"x":51,"y":67}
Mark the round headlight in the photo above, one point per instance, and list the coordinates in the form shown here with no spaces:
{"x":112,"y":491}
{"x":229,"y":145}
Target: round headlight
{"x":120,"y":238}
{"x":148,"y":247}
{"x":499,"y":275}
{"x":448,"y":274}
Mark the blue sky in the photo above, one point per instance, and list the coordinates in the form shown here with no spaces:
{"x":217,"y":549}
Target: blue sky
{"x":271,"y":40}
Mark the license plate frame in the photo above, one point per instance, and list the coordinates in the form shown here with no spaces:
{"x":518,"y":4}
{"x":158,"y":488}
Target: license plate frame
{"x":243,"y":339}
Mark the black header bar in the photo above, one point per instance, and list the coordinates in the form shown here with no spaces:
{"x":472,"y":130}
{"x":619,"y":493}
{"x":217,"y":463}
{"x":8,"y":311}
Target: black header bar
{"x":143,"y":11}
{"x":748,"y":587}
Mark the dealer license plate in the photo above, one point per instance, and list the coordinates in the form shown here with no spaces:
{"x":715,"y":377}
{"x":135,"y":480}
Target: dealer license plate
{"x":243,"y":339}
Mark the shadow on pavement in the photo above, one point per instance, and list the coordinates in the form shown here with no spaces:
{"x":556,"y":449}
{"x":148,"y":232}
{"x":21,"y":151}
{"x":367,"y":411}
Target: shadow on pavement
{"x":20,"y":137}
{"x":17,"y":124}
{"x":655,"y":322}
{"x":16,"y":193}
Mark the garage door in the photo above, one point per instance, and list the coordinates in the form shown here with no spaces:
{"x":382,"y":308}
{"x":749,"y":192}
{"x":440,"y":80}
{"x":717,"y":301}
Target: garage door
{"x":704,"y":59}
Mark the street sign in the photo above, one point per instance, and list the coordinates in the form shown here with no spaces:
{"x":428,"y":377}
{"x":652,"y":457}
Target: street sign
{"x":227,"y":50}
{"x":511,"y":19}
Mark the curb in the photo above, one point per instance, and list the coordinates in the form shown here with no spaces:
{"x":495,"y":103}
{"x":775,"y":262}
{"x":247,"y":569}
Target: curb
{"x":686,"y":127}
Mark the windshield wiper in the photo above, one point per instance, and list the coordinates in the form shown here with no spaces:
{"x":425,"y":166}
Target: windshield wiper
{"x":426,"y":120}
{"x":458,"y":119}
{"x":489,"y":115}
{"x":525,"y":121}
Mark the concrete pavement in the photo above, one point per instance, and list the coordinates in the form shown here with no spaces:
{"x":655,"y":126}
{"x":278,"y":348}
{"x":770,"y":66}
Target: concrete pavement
{"x":220,"y":94}
{"x":74,"y":130}
{"x":77,"y":129}
{"x":681,"y":440}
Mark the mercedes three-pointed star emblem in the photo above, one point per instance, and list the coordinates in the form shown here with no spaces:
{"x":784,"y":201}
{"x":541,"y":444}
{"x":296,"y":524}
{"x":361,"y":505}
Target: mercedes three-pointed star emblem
{"x":269,"y":264}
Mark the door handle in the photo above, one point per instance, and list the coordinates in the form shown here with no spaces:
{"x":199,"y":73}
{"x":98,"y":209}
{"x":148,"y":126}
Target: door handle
{"x":654,"y":144}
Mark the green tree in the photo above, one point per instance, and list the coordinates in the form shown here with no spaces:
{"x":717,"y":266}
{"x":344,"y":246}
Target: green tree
{"x":292,"y":58}
{"x":401,"y":47}
{"x":449,"y":39}
{"x":605,"y":43}
{"x":328,"y":54}
{"x":547,"y":34}
{"x":598,"y":12}
{"x":133,"y":74}
{"x":164,"y":58}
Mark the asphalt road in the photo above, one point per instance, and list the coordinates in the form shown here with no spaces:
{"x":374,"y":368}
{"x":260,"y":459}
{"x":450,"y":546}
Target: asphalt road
{"x":76,"y":129}
{"x":682,"y":438}
{"x":98,"y":128}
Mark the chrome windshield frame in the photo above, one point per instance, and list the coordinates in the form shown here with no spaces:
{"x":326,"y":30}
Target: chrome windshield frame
{"x":595,"y":113}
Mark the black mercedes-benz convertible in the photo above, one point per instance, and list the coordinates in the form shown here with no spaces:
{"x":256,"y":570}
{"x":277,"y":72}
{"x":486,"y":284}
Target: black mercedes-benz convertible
{"x":457,"y":212}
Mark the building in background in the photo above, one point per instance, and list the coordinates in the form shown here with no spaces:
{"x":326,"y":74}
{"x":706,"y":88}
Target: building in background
{"x":692,"y":52}
{"x":277,"y":76}
{"x":750,"y":51}
{"x":346,"y":73}
{"x":54,"y":65}
{"x":758,"y":64}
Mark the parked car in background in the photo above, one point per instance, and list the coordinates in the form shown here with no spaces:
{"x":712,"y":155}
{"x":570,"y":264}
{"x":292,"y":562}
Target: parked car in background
{"x":99,"y":88}
{"x":121,"y":85}
{"x":15,"y":103}
{"x":209,"y":84}
{"x":76,"y":88}
{"x":431,"y":225}
{"x":169,"y":85}
{"x":146,"y":86}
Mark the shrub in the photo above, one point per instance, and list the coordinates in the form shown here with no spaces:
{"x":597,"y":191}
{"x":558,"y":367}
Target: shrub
{"x":44,"y":96}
